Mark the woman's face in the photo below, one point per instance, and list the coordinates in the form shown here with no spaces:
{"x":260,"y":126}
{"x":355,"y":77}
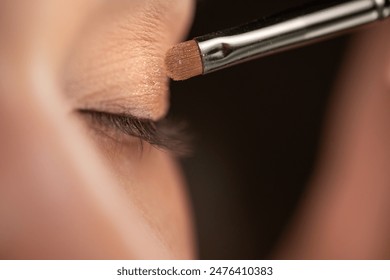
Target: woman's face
{"x":113,"y":78}
{"x":116,"y":76}
{"x":88,"y":165}
{"x":116,"y":83}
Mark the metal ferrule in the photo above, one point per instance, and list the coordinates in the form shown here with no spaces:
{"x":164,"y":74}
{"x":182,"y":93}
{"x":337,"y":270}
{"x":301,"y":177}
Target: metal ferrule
{"x":287,"y":30}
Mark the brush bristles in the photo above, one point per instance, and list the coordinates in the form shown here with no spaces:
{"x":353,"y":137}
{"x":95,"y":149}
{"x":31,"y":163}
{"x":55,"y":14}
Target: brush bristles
{"x":183,"y":61}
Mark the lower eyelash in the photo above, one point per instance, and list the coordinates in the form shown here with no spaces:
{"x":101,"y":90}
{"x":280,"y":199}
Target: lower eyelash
{"x":164,"y":134}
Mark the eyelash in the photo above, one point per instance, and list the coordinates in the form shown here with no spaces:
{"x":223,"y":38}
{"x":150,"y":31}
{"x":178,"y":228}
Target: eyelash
{"x":165,"y":134}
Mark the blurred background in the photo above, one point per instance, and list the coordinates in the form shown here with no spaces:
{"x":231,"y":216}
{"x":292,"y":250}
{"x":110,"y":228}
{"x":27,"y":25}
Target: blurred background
{"x":257,"y":129}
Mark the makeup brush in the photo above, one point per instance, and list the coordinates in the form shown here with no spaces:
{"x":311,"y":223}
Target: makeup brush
{"x":287,"y":30}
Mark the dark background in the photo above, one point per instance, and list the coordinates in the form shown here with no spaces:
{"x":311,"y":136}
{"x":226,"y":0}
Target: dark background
{"x":257,"y":129}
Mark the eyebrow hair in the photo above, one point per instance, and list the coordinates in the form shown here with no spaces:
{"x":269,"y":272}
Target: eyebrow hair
{"x":164,"y":134}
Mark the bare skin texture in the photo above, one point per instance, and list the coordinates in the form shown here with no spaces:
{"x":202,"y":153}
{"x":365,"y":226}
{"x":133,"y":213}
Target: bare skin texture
{"x":68,"y":191}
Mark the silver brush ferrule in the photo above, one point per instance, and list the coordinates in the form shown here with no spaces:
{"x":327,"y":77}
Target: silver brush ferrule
{"x":287,"y":30}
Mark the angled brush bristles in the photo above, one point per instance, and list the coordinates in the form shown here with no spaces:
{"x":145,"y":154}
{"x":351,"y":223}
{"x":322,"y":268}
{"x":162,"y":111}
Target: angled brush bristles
{"x":183,"y":61}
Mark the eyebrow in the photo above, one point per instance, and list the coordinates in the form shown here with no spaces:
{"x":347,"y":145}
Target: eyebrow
{"x":164,"y":134}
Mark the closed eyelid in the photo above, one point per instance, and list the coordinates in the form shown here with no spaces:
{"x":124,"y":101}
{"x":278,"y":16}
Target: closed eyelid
{"x":119,"y":64}
{"x":165,"y":134}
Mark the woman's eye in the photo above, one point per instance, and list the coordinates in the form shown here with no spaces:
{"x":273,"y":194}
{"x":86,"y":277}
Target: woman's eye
{"x":124,"y":129}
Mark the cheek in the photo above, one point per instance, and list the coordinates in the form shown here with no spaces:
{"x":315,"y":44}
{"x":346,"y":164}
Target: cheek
{"x":154,"y":183}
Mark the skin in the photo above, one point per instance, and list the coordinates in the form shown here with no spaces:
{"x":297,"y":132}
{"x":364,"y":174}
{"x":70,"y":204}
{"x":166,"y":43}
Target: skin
{"x":124,"y":71}
{"x":67,"y":192}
